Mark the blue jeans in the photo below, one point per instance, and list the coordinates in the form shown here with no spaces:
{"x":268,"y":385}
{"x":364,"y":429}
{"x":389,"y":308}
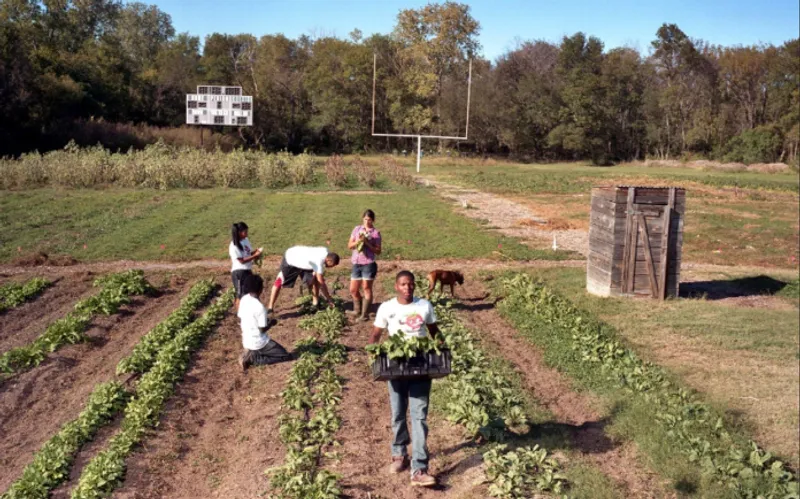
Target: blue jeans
{"x":413,"y":393}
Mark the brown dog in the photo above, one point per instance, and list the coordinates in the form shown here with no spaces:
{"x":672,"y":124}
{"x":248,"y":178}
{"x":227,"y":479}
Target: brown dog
{"x":445,"y":277}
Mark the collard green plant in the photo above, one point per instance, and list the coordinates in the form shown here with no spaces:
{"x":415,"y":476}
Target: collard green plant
{"x":114,"y":292}
{"x":691,"y":425}
{"x":13,"y":294}
{"x":107,"y":469}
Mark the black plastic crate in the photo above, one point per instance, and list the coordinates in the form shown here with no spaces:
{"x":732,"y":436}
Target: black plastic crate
{"x":422,"y":366}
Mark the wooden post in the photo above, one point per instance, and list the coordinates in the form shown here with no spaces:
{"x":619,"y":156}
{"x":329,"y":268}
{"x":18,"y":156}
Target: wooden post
{"x":648,"y":256}
{"x":665,"y":239}
{"x":626,"y":250}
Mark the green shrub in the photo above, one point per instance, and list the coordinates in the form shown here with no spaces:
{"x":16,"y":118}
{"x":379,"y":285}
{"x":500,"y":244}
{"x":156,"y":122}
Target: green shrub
{"x":759,"y":145}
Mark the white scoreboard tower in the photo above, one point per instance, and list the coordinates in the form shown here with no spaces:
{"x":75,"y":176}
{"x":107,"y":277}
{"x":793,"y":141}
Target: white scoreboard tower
{"x":219,"y":105}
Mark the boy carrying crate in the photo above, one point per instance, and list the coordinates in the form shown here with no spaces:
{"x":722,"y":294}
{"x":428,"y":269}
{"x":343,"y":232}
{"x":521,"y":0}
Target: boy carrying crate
{"x":410,"y":317}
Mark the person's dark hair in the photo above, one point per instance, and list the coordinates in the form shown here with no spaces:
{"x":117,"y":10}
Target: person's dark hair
{"x":334,"y":258}
{"x":235,"y":230}
{"x":370,"y":214}
{"x":404,"y":273}
{"x":253,"y":284}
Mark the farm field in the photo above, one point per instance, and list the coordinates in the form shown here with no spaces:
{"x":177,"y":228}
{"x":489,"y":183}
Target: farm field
{"x":729,"y":343}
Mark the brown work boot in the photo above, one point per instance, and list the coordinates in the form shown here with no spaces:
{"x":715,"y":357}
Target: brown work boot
{"x":399,"y":464}
{"x":421,"y":478}
{"x":365,"y":310}
{"x":356,"y":312}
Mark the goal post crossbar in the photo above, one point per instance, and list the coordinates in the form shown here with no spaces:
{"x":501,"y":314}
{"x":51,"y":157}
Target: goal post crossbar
{"x":419,"y":137}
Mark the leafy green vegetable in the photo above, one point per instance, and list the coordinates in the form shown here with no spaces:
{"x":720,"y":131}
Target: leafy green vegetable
{"x":71,"y":329}
{"x":14,"y":294}
{"x":106,"y":470}
{"x":692,"y":426}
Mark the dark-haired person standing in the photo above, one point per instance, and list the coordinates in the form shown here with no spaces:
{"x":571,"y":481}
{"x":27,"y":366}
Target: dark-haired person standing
{"x":259,"y":348}
{"x":309,"y":264}
{"x":365,"y":269}
{"x":242,"y":256}
{"x":409,"y":316}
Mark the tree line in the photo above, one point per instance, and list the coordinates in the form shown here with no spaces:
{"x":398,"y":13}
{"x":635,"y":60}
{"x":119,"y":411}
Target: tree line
{"x":63,"y":61}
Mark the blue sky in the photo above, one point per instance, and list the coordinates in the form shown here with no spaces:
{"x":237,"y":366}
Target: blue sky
{"x":503,"y":22}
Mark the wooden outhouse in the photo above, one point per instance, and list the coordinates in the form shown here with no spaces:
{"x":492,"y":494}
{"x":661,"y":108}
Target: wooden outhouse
{"x":635,"y":238}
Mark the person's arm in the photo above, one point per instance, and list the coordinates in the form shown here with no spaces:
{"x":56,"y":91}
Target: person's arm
{"x":433,"y":330}
{"x":323,"y":288}
{"x":375,"y":335}
{"x":375,"y":248}
{"x":250,"y":258}
{"x":353,"y":242}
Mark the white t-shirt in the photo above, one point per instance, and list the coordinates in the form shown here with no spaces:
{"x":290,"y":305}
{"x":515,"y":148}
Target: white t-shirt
{"x":409,"y":319}
{"x":252,"y":315}
{"x":237,"y":253}
{"x":307,"y":258}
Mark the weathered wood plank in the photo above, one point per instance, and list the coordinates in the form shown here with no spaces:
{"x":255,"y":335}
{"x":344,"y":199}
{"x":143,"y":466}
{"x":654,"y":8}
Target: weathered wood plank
{"x":664,"y":251}
{"x":651,"y":271}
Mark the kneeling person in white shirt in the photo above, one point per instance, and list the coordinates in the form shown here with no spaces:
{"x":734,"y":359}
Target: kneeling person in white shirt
{"x":410,"y":317}
{"x":259,"y":349}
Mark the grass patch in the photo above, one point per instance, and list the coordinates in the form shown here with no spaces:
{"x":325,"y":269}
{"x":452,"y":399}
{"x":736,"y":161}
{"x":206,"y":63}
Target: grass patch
{"x":113,"y":224}
{"x":768,"y":332}
{"x":572,"y":178}
{"x":722,"y":225}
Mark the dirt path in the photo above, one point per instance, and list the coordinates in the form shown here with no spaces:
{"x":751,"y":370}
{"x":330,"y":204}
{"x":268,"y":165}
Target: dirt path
{"x":36,"y":403}
{"x":579,"y":412}
{"x":219,"y":432}
{"x":366,"y":437}
{"x":511,"y":218}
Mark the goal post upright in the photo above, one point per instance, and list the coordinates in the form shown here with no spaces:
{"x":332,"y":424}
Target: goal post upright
{"x":419,"y":137}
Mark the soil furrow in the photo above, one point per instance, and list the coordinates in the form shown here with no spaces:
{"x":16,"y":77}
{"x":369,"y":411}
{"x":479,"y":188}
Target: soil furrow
{"x":36,"y":403}
{"x":580,"y":413}
{"x":20,"y":326}
{"x":219,"y":432}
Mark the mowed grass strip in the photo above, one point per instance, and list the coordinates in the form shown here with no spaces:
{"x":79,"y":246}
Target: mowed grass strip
{"x":722,"y":225}
{"x":112,"y":224}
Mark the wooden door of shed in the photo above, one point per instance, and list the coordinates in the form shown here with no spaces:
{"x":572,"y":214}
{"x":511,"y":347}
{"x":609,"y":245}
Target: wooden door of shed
{"x":646,"y":263}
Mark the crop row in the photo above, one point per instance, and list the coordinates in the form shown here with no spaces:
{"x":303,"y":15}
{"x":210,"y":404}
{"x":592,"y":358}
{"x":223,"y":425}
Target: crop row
{"x":159,"y":166}
{"x":145,"y":352}
{"x":15,"y":294}
{"x":115,"y":292}
{"x":107,"y":469}
{"x":52,"y":462}
{"x":485,"y":402}
{"x":691,"y":426}
{"x":309,"y":420}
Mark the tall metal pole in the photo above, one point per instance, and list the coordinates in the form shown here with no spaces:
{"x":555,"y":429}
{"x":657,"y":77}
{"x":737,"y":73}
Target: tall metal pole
{"x":469,"y":88}
{"x":419,"y":150}
{"x":374,"y":66}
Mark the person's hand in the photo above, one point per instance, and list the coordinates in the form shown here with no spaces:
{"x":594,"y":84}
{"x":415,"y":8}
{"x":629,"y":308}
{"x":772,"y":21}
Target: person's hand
{"x":331,"y":304}
{"x":258,"y":251}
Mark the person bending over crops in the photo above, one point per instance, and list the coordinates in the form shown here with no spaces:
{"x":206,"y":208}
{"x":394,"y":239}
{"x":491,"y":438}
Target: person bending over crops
{"x":309,"y":264}
{"x":242,"y":256}
{"x":365,"y":241}
{"x":259,"y":348}
{"x":410,"y":317}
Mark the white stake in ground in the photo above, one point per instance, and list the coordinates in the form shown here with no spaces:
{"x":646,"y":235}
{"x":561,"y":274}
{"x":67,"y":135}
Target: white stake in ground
{"x":417,"y":136}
